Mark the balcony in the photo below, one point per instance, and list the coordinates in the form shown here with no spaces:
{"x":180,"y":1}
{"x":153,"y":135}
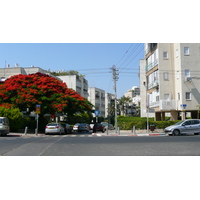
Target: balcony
{"x":153,"y":84}
{"x":154,"y":104}
{"x":151,"y":65}
{"x":168,"y":104}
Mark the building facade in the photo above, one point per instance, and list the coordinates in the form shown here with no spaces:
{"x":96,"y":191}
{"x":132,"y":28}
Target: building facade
{"x":133,"y":92}
{"x":170,"y":80}
{"x":109,"y":102}
{"x":97,"y":98}
{"x":7,"y":72}
{"x":77,"y":83}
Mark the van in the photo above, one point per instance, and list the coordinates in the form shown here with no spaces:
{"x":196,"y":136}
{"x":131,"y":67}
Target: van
{"x":4,"y":126}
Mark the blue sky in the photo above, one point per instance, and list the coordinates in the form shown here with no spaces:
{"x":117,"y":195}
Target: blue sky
{"x":93,"y":60}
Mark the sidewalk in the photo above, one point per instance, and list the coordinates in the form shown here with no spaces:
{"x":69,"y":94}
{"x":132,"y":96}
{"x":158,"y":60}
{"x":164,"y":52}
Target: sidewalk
{"x":157,"y":132}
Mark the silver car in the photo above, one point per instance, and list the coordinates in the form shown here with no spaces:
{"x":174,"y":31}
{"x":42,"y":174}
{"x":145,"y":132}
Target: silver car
{"x":81,"y":127}
{"x":184,"y":127}
{"x":54,"y":128}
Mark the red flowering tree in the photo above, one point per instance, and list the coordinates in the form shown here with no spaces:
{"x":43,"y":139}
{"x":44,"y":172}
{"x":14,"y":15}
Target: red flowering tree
{"x":26,"y":91}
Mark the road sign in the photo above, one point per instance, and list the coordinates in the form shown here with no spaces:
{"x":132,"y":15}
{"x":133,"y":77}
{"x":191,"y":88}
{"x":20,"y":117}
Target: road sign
{"x":38,"y":110}
{"x":183,"y":106}
{"x":97,"y":112}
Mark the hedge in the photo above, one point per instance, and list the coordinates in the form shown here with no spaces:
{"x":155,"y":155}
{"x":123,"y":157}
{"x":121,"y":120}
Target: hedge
{"x":127,"y":123}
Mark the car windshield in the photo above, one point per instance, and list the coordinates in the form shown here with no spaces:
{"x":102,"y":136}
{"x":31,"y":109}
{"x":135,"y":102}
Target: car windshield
{"x":178,"y":123}
{"x":52,"y":124}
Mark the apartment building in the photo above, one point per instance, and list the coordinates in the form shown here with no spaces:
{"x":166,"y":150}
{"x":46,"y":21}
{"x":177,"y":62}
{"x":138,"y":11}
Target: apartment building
{"x":170,"y":80}
{"x":8,"y":71}
{"x":77,"y":83}
{"x":133,"y":92}
{"x":109,"y":99}
{"x":97,"y":98}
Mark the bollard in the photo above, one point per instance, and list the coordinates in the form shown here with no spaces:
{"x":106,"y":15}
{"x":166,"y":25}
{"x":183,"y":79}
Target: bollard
{"x":25,"y":131}
{"x":133,"y":130}
{"x":36,"y":131}
{"x":107,"y":130}
{"x":118,"y":130}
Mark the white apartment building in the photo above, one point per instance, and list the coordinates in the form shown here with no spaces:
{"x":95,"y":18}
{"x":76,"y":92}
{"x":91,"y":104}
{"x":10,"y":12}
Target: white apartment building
{"x":170,"y":80}
{"x":109,"y":98}
{"x":8,"y":71}
{"x":77,"y":83}
{"x":97,"y":98}
{"x":133,"y":92}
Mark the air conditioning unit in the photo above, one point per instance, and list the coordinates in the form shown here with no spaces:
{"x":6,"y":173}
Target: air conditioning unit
{"x":188,"y":79}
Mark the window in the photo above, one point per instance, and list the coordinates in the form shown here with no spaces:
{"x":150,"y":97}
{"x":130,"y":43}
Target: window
{"x":165,"y":55}
{"x":188,"y":96}
{"x":176,"y":53}
{"x":166,"y":96}
{"x":177,"y":74}
{"x":166,"y":76}
{"x":187,"y":73}
{"x":178,"y":96}
{"x":157,"y":98}
{"x":186,"y":51}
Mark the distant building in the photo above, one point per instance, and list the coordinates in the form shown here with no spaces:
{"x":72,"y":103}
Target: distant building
{"x":133,"y":92}
{"x":97,"y":98}
{"x":109,"y":99}
{"x":8,"y":71}
{"x":77,"y":83}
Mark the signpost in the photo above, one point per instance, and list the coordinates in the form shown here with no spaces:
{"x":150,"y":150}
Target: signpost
{"x":183,"y":107}
{"x":97,"y":113}
{"x":38,"y":111}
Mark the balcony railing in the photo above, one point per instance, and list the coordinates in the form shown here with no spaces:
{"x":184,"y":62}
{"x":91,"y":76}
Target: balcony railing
{"x":154,"y":104}
{"x":168,"y":104}
{"x":151,"y":65}
{"x":153,"y":84}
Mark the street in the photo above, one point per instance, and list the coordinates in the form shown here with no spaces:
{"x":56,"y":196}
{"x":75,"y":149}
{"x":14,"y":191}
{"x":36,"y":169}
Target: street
{"x":88,"y":145}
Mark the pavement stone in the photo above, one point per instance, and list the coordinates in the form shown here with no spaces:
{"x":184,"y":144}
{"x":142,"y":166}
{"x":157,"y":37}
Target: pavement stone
{"x":110,"y":133}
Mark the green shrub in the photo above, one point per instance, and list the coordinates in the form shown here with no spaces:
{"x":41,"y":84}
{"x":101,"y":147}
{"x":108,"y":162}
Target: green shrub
{"x":127,"y":123}
{"x":14,"y":116}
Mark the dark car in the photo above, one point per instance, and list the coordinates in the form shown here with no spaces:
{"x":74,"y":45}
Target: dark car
{"x":98,"y":127}
{"x":81,"y":127}
{"x":67,"y":128}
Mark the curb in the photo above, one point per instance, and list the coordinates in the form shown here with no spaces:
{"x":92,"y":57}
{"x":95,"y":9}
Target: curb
{"x":130,"y":135}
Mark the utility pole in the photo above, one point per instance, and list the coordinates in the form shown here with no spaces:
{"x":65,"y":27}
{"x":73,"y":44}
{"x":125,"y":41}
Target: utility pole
{"x":115,"y":78}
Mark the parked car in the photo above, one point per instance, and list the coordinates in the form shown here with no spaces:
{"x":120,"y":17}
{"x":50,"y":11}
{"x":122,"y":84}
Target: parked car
{"x":98,"y":127}
{"x":91,"y":126}
{"x":67,"y":128}
{"x":54,"y":128}
{"x":81,"y":127}
{"x":109,"y":126}
{"x":184,"y":127}
{"x":4,"y":126}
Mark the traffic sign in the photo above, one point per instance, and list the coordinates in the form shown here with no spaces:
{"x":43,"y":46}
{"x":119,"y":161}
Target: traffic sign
{"x":183,"y":106}
{"x":97,"y":112}
{"x":38,"y":110}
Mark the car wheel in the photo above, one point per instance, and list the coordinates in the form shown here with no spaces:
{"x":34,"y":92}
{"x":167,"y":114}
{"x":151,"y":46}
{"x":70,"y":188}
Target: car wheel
{"x":176,"y":132}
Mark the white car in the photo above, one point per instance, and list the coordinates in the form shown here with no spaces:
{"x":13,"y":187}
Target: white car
{"x":54,"y":128}
{"x":4,"y":126}
{"x":184,"y":127}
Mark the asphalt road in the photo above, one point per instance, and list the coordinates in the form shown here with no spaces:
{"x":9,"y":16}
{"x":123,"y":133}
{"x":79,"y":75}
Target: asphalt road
{"x":85,"y":145}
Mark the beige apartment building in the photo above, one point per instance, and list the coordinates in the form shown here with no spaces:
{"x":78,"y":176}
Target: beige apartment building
{"x":170,"y":80}
{"x":77,"y":83}
{"x":97,"y":98}
{"x":8,"y":71}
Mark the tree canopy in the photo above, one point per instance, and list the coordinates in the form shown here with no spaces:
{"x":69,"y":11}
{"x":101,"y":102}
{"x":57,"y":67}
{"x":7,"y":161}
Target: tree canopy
{"x":26,"y":91}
